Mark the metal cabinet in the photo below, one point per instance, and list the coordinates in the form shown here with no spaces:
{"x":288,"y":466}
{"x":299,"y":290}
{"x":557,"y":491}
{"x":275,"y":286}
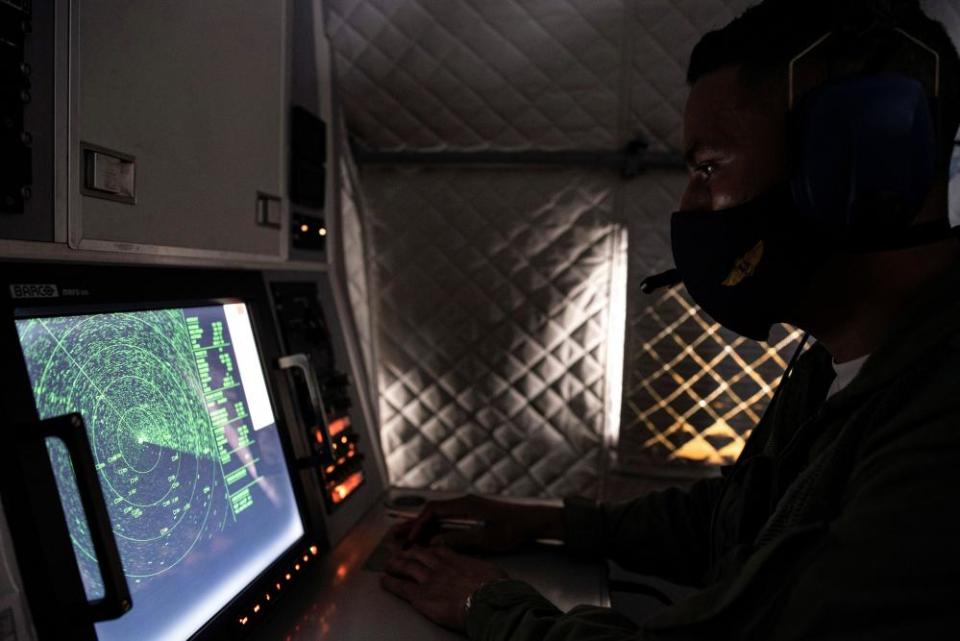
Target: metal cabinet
{"x":179,"y":127}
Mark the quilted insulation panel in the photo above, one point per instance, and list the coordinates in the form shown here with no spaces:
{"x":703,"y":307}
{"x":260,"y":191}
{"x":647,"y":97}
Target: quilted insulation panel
{"x":355,"y":259}
{"x":517,"y":74}
{"x":948,"y":12}
{"x":476,"y":74}
{"x":484,"y":385}
{"x":492,"y":321}
{"x":659,"y":37}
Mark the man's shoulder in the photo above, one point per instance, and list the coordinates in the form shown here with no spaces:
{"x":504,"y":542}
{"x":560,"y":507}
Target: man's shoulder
{"x":918,"y":408}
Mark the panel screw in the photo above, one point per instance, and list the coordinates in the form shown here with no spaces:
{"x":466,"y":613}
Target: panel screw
{"x":26,"y":138}
{"x":25,"y":96}
{"x":26,"y":192}
{"x":25,"y":68}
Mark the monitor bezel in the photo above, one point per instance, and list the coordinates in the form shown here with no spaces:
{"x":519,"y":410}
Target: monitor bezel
{"x":93,"y":289}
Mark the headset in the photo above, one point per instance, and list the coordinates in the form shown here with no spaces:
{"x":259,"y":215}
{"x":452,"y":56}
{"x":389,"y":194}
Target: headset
{"x":864,"y":148}
{"x":864,"y":151}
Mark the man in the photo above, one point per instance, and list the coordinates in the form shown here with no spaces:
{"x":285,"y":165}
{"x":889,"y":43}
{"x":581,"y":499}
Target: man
{"x":840,"y":519}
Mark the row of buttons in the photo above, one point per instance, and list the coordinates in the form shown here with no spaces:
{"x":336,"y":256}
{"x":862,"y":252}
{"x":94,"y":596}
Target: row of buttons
{"x":271,"y":595}
{"x":16,"y":172}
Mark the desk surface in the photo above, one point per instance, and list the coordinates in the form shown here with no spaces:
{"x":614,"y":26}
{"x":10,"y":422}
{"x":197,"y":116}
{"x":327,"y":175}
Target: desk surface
{"x":348,"y":604}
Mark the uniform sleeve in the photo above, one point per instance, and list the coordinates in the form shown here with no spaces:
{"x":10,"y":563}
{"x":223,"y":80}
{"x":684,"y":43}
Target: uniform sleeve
{"x":666,"y":533}
{"x":886,"y":567}
{"x":516,"y":611}
{"x":890,"y":562}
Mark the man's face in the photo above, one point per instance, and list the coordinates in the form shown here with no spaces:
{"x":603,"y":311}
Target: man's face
{"x":735,"y":141}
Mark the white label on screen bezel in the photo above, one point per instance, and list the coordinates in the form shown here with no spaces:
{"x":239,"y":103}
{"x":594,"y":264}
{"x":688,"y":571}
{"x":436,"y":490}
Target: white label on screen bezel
{"x":248,"y":362}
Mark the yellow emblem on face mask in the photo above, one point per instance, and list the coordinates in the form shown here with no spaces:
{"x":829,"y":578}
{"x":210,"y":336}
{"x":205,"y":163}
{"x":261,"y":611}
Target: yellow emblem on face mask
{"x":745,"y":266}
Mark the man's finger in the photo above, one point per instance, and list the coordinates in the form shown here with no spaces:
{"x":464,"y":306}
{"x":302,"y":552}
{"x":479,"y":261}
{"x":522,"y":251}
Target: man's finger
{"x":452,"y":559}
{"x":403,"y":567}
{"x":403,"y":589}
{"x":421,"y":555}
{"x":419,"y":522}
{"x":400,"y":530}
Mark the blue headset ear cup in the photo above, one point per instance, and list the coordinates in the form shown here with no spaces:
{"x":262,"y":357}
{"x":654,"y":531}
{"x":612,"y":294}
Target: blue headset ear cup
{"x":864,"y":153}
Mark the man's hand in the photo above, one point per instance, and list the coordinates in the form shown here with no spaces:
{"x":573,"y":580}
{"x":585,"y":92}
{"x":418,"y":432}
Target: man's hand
{"x":437,"y":581}
{"x":501,"y":526}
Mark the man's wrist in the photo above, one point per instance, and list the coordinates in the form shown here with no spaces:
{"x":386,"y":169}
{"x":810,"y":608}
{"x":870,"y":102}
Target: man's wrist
{"x":583,"y":526}
{"x":469,"y":601}
{"x":549,"y":522}
{"x":495,"y":600}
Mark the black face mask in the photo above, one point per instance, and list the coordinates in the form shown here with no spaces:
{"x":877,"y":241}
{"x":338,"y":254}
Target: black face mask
{"x":745,"y":266}
{"x":749,"y":266}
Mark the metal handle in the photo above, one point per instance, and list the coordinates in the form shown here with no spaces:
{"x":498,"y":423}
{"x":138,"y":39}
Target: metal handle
{"x":302,"y":363}
{"x":70,"y":429}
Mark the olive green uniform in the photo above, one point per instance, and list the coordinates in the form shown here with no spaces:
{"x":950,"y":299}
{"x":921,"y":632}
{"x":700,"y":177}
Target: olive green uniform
{"x":840,"y":520}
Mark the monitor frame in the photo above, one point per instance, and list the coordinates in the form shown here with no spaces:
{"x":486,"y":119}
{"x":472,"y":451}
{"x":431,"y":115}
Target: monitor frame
{"x":58,"y":602}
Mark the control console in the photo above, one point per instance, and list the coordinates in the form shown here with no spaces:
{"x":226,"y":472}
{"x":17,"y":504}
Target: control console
{"x":322,"y":390}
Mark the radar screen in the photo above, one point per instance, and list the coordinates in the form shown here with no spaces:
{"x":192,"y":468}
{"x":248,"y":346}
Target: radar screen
{"x":188,"y":454}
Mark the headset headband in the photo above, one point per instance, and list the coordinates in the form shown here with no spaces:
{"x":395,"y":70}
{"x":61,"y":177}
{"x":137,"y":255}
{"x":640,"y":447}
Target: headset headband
{"x":791,"y":73}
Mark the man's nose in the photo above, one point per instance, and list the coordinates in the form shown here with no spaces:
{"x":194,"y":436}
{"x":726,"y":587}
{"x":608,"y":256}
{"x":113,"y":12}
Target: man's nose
{"x":696,"y":198}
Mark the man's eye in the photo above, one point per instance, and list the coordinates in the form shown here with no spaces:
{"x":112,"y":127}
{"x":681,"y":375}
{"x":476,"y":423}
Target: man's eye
{"x":705,"y":169}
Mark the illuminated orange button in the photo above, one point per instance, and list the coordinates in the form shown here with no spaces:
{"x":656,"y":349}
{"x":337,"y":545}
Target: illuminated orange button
{"x":337,"y":425}
{"x":341,"y":491}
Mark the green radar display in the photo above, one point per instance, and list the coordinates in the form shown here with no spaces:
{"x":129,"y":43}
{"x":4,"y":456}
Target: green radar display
{"x":134,"y":378}
{"x":186,"y":449}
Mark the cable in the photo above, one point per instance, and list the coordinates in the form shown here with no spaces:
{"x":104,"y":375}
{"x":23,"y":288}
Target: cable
{"x":629,"y":587}
{"x":668,"y":278}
